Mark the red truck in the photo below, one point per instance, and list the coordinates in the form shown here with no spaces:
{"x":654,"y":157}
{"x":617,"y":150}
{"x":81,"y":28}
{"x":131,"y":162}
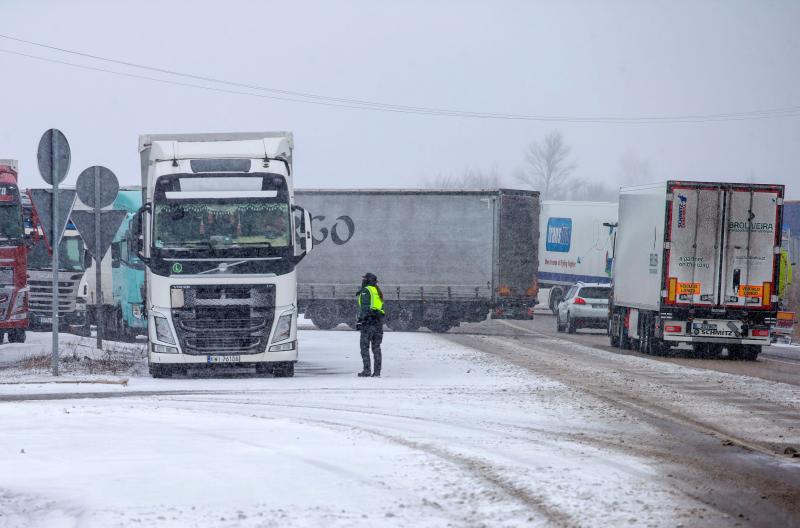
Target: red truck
{"x":13,"y":258}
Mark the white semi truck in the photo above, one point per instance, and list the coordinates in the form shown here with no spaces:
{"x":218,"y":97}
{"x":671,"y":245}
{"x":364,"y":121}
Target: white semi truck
{"x":575,"y":244}
{"x":696,"y":263}
{"x":220,"y":235}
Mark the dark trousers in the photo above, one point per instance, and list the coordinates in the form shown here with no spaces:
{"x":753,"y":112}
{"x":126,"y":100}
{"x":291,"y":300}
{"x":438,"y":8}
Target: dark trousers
{"x":372,"y":334}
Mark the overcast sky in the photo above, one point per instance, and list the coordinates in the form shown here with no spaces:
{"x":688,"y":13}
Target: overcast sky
{"x":584,"y":59}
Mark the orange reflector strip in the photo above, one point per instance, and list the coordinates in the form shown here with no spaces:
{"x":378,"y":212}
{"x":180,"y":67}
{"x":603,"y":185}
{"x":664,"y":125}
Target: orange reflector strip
{"x":786,"y":316}
{"x":673,"y":286}
{"x":503,"y":290}
{"x":766,"y":298}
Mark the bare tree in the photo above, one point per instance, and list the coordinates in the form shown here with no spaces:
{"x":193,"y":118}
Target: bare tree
{"x":592,"y":191}
{"x":549,"y":167}
{"x":633,"y":168}
{"x":471,"y":178}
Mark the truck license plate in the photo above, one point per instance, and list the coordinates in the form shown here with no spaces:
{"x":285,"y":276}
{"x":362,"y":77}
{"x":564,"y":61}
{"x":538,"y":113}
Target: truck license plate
{"x":46,"y":320}
{"x":223,"y":359}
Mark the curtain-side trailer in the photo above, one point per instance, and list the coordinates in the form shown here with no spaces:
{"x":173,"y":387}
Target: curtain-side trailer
{"x":442,"y":257}
{"x":696,"y":263}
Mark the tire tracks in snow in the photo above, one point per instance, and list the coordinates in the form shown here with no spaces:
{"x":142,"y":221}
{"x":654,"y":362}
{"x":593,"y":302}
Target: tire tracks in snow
{"x":734,"y":475}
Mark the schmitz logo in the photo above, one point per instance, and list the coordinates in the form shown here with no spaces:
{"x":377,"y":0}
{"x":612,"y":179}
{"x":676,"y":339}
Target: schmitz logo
{"x":682,"y":210}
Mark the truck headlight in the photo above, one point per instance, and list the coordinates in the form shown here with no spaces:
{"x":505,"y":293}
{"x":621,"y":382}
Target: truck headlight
{"x":283,"y":330}
{"x":163,"y":331}
{"x":164,"y":349}
{"x":283,"y":347}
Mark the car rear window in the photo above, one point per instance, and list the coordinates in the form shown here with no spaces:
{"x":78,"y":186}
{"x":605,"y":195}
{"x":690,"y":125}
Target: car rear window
{"x":594,"y":293}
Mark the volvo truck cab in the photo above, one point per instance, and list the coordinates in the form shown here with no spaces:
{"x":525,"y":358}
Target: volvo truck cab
{"x":220,"y":236}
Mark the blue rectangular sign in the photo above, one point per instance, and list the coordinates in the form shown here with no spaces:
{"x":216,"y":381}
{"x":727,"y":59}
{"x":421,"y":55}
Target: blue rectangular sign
{"x":559,"y":234}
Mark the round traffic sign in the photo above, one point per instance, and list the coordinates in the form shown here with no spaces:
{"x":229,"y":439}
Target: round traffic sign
{"x":53,"y":156}
{"x":97,"y":186}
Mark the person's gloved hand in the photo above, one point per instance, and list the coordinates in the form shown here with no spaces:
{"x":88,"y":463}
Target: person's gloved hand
{"x":359,"y":324}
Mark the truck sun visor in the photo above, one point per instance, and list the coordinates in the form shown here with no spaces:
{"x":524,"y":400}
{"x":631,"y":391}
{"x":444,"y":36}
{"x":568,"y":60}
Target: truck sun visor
{"x":220,"y":165}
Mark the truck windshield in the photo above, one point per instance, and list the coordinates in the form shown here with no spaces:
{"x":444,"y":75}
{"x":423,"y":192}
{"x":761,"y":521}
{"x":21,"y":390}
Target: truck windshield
{"x":217,"y":211}
{"x":10,"y":221}
{"x":221,"y":223}
{"x":70,"y":256}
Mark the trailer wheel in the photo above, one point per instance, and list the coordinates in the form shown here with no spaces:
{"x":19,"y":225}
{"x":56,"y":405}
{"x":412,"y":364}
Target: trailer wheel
{"x":556,"y":296}
{"x":16,"y":336}
{"x":613,"y":339}
{"x":403,"y":318}
{"x":439,"y":327}
{"x":743,"y":352}
{"x":324,"y":316}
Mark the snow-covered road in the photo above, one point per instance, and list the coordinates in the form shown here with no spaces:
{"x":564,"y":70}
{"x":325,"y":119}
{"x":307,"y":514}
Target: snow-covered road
{"x":450,"y":436}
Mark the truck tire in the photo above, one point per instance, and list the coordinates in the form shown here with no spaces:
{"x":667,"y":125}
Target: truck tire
{"x":439,"y":327}
{"x":613,"y":339}
{"x":2,"y":336}
{"x":743,"y":352}
{"x":324,"y":316}
{"x":16,"y":336}
{"x":403,"y":318}
{"x":283,"y":370}
{"x":572,"y":327}
{"x":160,"y":371}
{"x":556,"y":296}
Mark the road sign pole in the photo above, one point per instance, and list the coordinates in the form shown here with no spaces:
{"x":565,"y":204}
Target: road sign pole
{"x":54,"y":244}
{"x":98,"y":279}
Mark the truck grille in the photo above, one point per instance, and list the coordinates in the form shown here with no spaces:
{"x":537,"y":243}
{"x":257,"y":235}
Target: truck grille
{"x":225,"y":320}
{"x":40,"y":298}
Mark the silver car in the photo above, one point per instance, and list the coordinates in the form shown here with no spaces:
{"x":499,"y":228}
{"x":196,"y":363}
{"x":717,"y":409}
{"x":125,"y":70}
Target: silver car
{"x":585,"y":306}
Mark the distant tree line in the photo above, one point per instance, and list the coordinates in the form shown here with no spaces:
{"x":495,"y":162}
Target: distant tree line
{"x":549,"y":168}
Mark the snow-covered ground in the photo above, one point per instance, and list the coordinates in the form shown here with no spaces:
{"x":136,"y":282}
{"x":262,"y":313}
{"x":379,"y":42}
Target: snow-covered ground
{"x":449,"y":436}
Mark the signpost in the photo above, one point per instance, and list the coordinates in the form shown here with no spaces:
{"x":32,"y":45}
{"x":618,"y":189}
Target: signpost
{"x":97,"y":188}
{"x":53,"y":156}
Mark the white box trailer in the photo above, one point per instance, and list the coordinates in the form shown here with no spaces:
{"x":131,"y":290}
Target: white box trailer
{"x":696,"y":262}
{"x":442,"y":256}
{"x":575,"y":244}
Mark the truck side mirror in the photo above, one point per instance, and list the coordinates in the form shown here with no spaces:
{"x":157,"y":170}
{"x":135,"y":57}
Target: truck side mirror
{"x":135,"y":235}
{"x":116,"y":249}
{"x":303,"y":237}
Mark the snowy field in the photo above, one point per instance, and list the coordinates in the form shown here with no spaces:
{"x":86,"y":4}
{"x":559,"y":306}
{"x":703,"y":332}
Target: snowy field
{"x":448,"y":437}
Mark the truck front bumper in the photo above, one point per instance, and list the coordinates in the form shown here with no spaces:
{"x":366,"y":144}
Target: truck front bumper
{"x":245,"y":360}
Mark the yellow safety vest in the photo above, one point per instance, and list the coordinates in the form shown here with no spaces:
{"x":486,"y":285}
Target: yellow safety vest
{"x":375,"y":301}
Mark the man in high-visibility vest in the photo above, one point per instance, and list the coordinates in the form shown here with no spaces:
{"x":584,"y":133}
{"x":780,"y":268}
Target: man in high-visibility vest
{"x":370,"y":322}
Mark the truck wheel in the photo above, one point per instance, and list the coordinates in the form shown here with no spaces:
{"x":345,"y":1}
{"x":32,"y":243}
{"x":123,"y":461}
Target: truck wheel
{"x":2,"y":336}
{"x":403,"y":319}
{"x":283,"y":370}
{"x":439,"y":327}
{"x":324,"y":316}
{"x":263,"y":369}
{"x":160,"y":371}
{"x":613,"y":339}
{"x":571,"y":326}
{"x":556,"y":296}
{"x":751,"y":352}
{"x":624,"y":340}
{"x":16,"y":336}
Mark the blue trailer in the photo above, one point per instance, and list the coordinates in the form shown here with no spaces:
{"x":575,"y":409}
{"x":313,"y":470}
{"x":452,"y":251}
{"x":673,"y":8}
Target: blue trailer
{"x":125,"y":317}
